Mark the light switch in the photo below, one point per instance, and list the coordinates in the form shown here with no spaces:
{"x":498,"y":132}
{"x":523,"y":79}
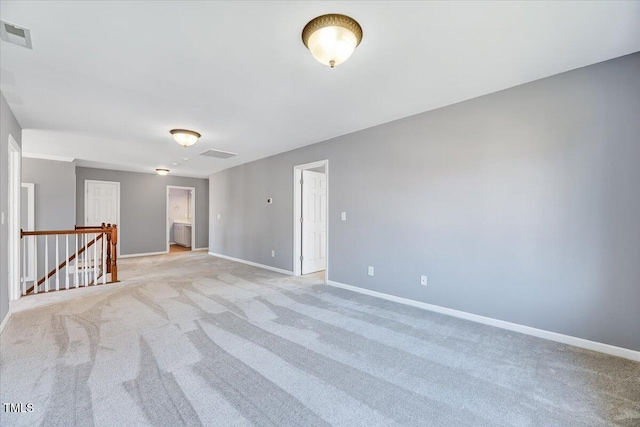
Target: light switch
{"x":218,"y":216}
{"x":2,"y":217}
{"x":370,"y":271}
{"x":343,"y":216}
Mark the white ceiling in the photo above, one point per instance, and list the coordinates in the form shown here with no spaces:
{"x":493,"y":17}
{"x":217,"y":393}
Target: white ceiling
{"x":106,"y":81}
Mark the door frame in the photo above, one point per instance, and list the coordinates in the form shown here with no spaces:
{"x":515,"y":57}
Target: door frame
{"x":192,"y":214}
{"x":86,"y":205}
{"x":14,"y":173}
{"x":31,"y":224}
{"x":297,"y":212}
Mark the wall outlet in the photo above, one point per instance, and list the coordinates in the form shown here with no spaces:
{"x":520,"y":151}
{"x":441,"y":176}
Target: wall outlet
{"x":370,"y":271}
{"x":423,"y":280}
{"x":218,"y":216}
{"x":273,"y":254}
{"x":343,"y":216}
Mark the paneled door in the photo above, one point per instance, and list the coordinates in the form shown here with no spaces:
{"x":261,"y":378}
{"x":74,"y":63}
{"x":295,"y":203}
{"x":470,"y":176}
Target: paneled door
{"x":314,"y":221}
{"x":102,"y":202}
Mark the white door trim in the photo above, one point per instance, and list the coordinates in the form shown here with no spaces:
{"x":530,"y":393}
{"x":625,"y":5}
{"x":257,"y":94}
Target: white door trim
{"x":192,"y":214}
{"x":86,"y":206}
{"x":13,"y":225}
{"x":297,"y":212}
{"x":31,"y":225}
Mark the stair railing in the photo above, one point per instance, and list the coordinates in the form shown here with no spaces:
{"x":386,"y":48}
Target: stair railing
{"x":84,"y":256}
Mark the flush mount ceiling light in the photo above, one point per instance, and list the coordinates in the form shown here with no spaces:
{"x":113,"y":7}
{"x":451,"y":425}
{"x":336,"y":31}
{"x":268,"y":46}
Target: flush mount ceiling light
{"x":161,"y":171}
{"x":185,"y":137}
{"x":332,"y":38}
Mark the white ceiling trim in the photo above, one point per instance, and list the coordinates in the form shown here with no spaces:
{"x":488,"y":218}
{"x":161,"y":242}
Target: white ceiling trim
{"x":47,"y":157}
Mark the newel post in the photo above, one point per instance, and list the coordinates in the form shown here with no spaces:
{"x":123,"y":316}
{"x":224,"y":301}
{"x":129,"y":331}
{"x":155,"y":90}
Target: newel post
{"x":114,"y":253}
{"x":108,"y":235}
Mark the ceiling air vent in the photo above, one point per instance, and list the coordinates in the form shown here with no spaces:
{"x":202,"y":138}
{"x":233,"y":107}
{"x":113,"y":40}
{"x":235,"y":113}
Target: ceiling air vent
{"x":218,"y":154}
{"x":13,"y":34}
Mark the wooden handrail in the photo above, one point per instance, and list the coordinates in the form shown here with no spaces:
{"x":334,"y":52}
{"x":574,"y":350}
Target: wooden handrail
{"x":54,"y":232}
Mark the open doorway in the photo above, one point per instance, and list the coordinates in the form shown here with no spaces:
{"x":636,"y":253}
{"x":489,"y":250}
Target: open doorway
{"x":311,"y":225}
{"x":181,"y":232}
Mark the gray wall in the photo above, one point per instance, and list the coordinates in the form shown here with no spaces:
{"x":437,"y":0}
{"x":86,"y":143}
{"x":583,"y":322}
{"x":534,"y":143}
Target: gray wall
{"x":55,"y":192}
{"x":8,"y":126}
{"x":143,"y":215}
{"x":55,"y":203}
{"x":521,"y":205}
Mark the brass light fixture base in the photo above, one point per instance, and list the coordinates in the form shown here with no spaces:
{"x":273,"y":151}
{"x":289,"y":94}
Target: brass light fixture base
{"x":331,"y":20}
{"x":185,"y":131}
{"x":185,"y":137}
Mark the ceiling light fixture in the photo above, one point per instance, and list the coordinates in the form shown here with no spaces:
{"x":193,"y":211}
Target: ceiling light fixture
{"x":332,"y":38}
{"x":161,"y":171}
{"x":185,"y":137}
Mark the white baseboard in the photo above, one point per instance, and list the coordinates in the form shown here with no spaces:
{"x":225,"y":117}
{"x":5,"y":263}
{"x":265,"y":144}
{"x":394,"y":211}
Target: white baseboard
{"x":199,"y":249}
{"x":145,"y":254}
{"x":4,"y":322}
{"x":540,"y":333}
{"x":255,"y":264}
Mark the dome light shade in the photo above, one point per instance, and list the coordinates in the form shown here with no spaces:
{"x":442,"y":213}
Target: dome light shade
{"x":163,"y":172}
{"x":332,"y":38}
{"x":185,"y":137}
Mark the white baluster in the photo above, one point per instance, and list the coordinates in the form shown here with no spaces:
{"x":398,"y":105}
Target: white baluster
{"x":24,"y":265}
{"x":77,"y":258}
{"x":57,"y":264}
{"x":86,"y":258}
{"x":35,"y":264}
{"x":66,"y":270}
{"x":46,"y":263}
{"x":104,"y":259}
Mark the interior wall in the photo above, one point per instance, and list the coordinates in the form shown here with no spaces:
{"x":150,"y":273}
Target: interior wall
{"x":55,"y":192}
{"x":178,"y":207}
{"x":143,"y":207}
{"x":521,"y":205}
{"x":8,"y":126}
{"x":54,"y":204}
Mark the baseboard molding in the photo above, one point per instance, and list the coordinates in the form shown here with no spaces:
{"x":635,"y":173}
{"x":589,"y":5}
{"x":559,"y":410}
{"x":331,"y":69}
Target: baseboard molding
{"x":4,"y":322}
{"x":199,"y":249}
{"x":254,"y":264}
{"x":144,"y":254}
{"x":540,"y":333}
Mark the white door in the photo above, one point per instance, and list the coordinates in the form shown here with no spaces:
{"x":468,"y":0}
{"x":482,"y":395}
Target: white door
{"x":314,"y":221}
{"x":102,"y":203}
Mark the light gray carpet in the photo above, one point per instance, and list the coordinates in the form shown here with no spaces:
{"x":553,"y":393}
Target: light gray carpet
{"x":189,"y":339}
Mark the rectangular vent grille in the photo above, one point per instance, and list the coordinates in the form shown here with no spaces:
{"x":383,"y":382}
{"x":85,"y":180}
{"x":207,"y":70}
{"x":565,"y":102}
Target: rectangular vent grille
{"x":218,"y":154}
{"x":14,"y":34}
